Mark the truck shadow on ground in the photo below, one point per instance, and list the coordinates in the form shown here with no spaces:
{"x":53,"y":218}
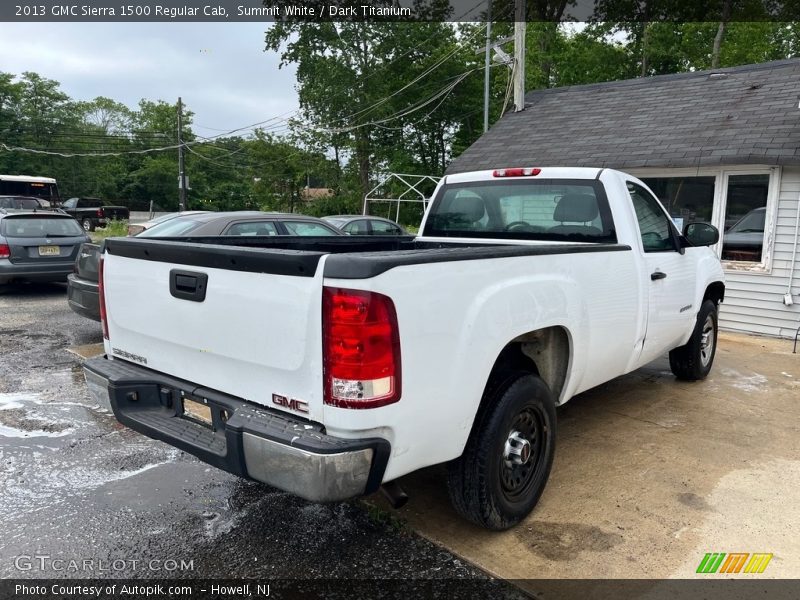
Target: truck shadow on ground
{"x":33,"y":289}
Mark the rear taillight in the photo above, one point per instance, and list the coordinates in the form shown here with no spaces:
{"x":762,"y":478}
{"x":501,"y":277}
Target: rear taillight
{"x":5,"y":251}
{"x":361,"y":349}
{"x":517,"y":172}
{"x":100,"y":213}
{"x":102,"y":298}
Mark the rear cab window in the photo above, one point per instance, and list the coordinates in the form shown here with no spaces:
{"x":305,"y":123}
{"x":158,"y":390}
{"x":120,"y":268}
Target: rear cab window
{"x":562,"y":210}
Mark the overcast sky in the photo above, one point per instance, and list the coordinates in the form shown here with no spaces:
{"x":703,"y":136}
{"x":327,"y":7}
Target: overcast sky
{"x":220,"y":69}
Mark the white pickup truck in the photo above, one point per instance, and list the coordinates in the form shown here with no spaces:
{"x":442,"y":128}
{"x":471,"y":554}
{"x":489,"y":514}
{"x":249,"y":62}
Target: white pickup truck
{"x":328,"y":367}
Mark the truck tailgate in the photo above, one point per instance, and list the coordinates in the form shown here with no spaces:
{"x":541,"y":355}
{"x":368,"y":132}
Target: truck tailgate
{"x":249,"y":332}
{"x":115,"y":212}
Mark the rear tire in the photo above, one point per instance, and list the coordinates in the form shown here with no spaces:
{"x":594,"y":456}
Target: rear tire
{"x":693,"y":360}
{"x":503,"y":471}
{"x":88,"y":225}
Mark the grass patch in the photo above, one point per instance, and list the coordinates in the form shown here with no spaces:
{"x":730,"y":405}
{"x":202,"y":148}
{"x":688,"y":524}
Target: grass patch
{"x":113,"y":229}
{"x":385,"y":518}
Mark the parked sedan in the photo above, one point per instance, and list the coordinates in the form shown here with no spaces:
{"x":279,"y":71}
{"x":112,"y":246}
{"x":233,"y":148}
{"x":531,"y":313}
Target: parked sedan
{"x":38,"y":246}
{"x":82,"y":286}
{"x":248,"y":223}
{"x":365,"y":225}
{"x":137,"y":228}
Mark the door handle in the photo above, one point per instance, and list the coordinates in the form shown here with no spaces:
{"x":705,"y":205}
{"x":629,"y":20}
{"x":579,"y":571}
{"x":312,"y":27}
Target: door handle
{"x":188,"y":285}
{"x":657,"y":275}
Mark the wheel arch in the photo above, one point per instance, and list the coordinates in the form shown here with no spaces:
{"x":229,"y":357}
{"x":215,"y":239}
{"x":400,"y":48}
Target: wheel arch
{"x":715,"y":291}
{"x":544,"y":352}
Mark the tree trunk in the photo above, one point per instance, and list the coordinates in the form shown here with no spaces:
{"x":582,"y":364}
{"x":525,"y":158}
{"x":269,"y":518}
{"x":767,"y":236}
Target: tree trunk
{"x":443,"y":150}
{"x":715,"y":51}
{"x":363,"y":156}
{"x":645,"y":30}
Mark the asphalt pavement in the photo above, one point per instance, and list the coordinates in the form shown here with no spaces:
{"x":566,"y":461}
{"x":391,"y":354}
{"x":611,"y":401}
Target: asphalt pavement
{"x":78,"y":486}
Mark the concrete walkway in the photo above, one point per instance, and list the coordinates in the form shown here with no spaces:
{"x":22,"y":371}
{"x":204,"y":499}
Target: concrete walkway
{"x":651,"y":474}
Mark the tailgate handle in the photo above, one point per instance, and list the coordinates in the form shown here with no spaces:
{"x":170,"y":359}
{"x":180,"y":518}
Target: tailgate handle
{"x":188,"y":285}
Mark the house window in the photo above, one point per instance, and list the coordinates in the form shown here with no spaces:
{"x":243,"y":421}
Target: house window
{"x":686,"y":199}
{"x":736,"y":201}
{"x":745,"y":218}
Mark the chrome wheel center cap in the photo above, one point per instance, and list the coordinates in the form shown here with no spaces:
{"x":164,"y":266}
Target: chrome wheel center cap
{"x":517,"y":450}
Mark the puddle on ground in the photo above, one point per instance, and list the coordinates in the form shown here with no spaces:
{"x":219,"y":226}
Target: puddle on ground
{"x":747,"y":383}
{"x":693,"y":501}
{"x":564,"y":541}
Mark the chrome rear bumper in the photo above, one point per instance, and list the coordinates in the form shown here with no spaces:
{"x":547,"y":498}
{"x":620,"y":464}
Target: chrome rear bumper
{"x":290,"y":454}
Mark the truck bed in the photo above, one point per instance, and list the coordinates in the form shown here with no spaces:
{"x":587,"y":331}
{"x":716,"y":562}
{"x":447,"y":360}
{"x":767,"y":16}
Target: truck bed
{"x":351,"y":257}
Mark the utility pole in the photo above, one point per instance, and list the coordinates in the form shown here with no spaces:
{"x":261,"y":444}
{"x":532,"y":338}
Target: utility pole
{"x":487,"y":65}
{"x":519,"y":55}
{"x":181,"y":166}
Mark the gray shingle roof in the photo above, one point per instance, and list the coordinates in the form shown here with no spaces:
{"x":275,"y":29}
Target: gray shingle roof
{"x":740,"y":115}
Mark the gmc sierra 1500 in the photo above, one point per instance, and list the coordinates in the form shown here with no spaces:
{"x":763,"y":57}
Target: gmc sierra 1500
{"x":327,"y":367}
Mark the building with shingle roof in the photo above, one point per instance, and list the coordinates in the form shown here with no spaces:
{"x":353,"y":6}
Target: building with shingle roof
{"x":719,"y":146}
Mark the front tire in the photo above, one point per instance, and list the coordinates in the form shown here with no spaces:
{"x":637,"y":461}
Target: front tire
{"x":503,"y":471}
{"x":693,"y":360}
{"x":88,"y":225}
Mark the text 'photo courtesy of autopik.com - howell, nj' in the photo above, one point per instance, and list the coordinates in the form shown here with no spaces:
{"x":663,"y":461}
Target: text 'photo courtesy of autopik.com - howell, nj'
{"x":399,"y":299}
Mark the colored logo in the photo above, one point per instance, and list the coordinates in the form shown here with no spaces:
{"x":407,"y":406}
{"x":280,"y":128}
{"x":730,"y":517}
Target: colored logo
{"x":734,"y":562}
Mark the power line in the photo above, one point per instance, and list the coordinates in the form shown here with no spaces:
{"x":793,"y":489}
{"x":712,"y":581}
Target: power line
{"x":444,"y":93}
{"x":278,"y":120}
{"x":458,"y":46}
{"x":8,"y":148}
{"x":383,"y":66}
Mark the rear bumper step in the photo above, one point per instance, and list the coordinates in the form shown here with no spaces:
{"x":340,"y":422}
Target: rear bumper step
{"x":294,"y":455}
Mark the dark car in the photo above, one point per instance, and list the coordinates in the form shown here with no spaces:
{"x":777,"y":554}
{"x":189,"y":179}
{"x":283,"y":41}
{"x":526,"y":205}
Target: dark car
{"x":38,"y":246}
{"x":137,"y":228}
{"x":248,"y":223}
{"x":745,"y":239}
{"x":365,"y":225}
{"x":82,"y":288}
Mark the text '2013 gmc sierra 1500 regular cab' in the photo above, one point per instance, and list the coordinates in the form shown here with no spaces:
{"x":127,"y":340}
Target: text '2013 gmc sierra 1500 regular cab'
{"x":327,"y":367}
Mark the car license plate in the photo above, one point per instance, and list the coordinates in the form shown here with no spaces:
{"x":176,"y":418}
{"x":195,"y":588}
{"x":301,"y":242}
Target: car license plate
{"x":197,"y":411}
{"x":49,"y":250}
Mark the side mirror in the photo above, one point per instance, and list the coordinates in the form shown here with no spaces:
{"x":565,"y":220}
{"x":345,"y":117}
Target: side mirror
{"x":701,"y":234}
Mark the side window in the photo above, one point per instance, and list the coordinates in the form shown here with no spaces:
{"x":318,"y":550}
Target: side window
{"x":252,"y":228}
{"x":70,"y":203}
{"x":357,"y":228}
{"x":384,"y":228}
{"x":654,"y":225}
{"x":307,"y":228}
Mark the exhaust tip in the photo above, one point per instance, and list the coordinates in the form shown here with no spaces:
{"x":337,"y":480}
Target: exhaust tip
{"x":394,"y":494}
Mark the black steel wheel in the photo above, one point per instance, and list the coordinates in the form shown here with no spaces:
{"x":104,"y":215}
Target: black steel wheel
{"x":503,"y":471}
{"x":694,"y":360}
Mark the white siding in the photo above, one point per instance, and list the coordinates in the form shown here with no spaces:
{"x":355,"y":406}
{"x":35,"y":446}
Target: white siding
{"x":754,"y":301}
